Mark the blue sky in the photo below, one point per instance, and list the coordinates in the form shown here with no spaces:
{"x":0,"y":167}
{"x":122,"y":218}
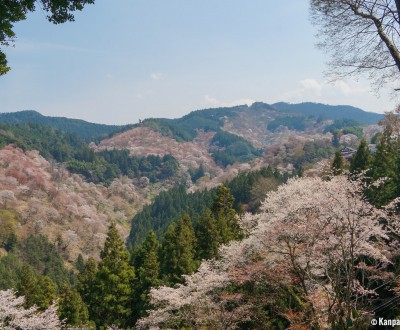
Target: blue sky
{"x":124,"y":60}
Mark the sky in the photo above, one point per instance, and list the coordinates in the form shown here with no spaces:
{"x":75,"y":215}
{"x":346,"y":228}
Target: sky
{"x":125,"y":60}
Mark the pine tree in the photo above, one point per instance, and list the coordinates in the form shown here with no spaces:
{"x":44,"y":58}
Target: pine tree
{"x":361,"y":159}
{"x":226,"y":216}
{"x":71,"y":307}
{"x":208,"y":236}
{"x":179,"y":251}
{"x":337,"y":164}
{"x":114,"y":283}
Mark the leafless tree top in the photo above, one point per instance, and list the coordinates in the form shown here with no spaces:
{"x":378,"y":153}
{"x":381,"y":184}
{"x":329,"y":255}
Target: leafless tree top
{"x":362,"y":36}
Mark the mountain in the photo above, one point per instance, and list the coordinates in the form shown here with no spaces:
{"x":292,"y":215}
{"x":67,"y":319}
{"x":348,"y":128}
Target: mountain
{"x":332,"y":112}
{"x":85,"y":130}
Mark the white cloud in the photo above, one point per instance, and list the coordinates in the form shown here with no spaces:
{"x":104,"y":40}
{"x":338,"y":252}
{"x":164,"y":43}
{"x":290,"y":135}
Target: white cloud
{"x":313,"y":90}
{"x":312,"y":84}
{"x":352,"y":92}
{"x":156,"y":75}
{"x":211,"y":102}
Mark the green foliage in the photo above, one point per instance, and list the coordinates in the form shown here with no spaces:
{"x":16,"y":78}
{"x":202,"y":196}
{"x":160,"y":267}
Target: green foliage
{"x":8,"y":225}
{"x":361,"y":159}
{"x":43,"y":256}
{"x":87,"y":285}
{"x":298,"y":123}
{"x":168,"y":207}
{"x":208,"y":236}
{"x":114,"y":282}
{"x":71,"y":307}
{"x":314,"y":151}
{"x":38,"y":290}
{"x":337,"y":164}
{"x":178,"y":251}
{"x":329,"y":112}
{"x":185,"y":128}
{"x":227,"y":148}
{"x":148,"y":272}
{"x":196,"y":174}
{"x":51,"y":143}
{"x":225,"y":216}
{"x":385,"y":164}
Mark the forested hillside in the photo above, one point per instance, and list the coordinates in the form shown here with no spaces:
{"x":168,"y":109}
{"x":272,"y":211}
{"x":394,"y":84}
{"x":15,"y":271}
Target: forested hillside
{"x":98,"y":226}
{"x":85,"y":130}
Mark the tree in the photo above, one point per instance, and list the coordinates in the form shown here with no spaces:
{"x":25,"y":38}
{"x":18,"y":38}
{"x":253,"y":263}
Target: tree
{"x":337,"y":164}
{"x":208,"y":236}
{"x":148,"y":271}
{"x":15,"y":11}
{"x":320,"y":239}
{"x":178,"y":251}
{"x":87,"y":285}
{"x":225,"y":215}
{"x":38,"y":290}
{"x":361,"y":159}
{"x":361,"y":36}
{"x":114,"y":282}
{"x":14,"y":316}
{"x":71,"y":307}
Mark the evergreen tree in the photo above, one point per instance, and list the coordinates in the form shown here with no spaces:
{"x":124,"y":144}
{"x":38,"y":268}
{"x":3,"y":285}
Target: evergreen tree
{"x":385,"y":165}
{"x":71,"y":307}
{"x":208,"y":236}
{"x":80,"y":263}
{"x":226,"y":216}
{"x":335,"y":139}
{"x":87,"y":284}
{"x":38,"y":290}
{"x":179,"y":251}
{"x":361,"y":159}
{"x":115,"y":278}
{"x":337,"y":164}
{"x":148,"y":271}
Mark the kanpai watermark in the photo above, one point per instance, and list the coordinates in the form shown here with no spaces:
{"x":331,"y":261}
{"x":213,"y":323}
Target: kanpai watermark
{"x":381,"y":321}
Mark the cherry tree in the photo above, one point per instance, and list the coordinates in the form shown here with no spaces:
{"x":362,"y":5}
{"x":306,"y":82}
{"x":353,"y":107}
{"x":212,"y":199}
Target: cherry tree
{"x":14,"y":316}
{"x":314,"y":234}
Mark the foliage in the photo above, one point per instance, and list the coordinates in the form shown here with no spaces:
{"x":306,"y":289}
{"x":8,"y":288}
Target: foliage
{"x":12,"y":12}
{"x":361,"y":159}
{"x":71,"y":307}
{"x":298,"y":123}
{"x":178,"y":251}
{"x":148,"y":273}
{"x":225,"y":216}
{"x":185,"y":128}
{"x":14,"y":316}
{"x":38,"y":290}
{"x":37,"y":256}
{"x":337,"y":164}
{"x":113,"y":283}
{"x":88,"y":132}
{"x":329,"y":112}
{"x":227,"y":148}
{"x":169,"y":206}
{"x":308,"y":252}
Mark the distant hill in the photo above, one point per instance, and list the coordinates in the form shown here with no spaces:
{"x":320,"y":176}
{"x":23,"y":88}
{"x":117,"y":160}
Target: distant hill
{"x":328,"y":111}
{"x":85,"y":130}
